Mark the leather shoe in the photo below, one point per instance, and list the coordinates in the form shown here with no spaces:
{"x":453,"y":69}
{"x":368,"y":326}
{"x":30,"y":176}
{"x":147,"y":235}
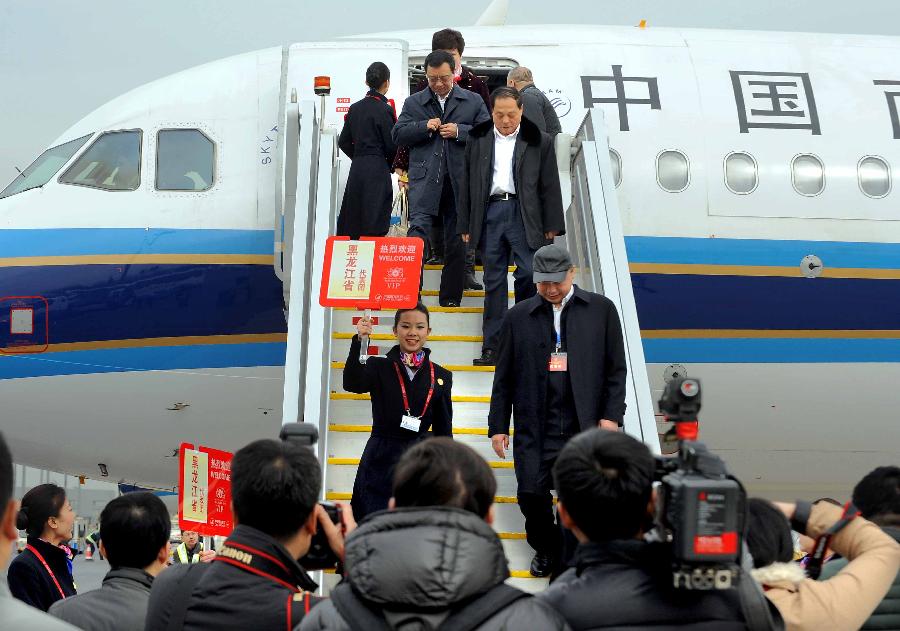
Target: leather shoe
{"x":488,"y":358}
{"x":472,"y":283}
{"x":435,"y":259}
{"x":541,"y":565}
{"x":449,"y":303}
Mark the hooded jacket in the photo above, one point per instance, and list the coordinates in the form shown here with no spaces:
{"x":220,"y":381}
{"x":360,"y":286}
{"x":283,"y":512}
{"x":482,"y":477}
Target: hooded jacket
{"x":416,"y":564}
{"x":849,"y":598}
{"x":887,"y":614}
{"x":627,"y":584}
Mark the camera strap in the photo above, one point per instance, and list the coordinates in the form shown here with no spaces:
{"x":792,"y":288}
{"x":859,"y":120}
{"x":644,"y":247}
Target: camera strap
{"x":817,"y":558}
{"x":759,"y":613}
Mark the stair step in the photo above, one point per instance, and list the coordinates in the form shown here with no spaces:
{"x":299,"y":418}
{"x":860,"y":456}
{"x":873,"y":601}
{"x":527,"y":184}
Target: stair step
{"x":469,"y":293}
{"x":468,"y":383}
{"x":366,"y":429}
{"x":478,"y":268}
{"x":354,"y":462}
{"x":450,"y":367}
{"x":352,"y":396}
{"x":464,"y":414}
{"x":339,"y":477}
{"x":442,"y":322}
{"x":433,"y":338}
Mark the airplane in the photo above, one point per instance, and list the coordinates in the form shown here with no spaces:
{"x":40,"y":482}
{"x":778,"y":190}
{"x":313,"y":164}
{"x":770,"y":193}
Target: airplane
{"x":142,"y":301}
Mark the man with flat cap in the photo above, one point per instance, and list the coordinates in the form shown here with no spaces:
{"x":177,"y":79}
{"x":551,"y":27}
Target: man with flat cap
{"x":560,"y":370}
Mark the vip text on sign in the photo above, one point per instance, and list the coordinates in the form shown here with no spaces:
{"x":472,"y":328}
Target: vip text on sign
{"x":372,"y":273}
{"x":204,"y":490}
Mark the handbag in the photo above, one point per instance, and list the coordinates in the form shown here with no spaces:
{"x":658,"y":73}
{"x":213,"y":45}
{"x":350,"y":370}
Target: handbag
{"x":399,"y":215}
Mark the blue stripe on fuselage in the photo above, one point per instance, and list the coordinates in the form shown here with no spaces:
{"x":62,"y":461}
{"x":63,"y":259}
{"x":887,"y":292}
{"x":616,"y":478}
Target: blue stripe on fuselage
{"x":142,"y":359}
{"x":85,"y":241}
{"x":761,"y":252}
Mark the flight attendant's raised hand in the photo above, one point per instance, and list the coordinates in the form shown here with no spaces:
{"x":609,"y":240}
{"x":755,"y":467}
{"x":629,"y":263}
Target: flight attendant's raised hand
{"x":364,"y":326}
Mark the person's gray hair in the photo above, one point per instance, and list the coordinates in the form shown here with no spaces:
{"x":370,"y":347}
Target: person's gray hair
{"x":520,"y":74}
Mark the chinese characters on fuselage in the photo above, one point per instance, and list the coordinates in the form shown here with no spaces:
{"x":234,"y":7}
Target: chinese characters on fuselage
{"x":764,"y":99}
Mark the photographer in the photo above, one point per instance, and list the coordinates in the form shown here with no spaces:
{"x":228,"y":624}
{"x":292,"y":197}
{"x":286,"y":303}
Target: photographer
{"x":255,"y":581}
{"x":842,"y":602}
{"x":605,"y":485}
{"x":432,"y":561}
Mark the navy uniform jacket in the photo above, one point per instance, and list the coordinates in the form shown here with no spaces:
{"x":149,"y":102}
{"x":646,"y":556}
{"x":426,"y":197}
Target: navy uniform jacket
{"x":597,"y":371}
{"x":430,"y":156}
{"x":372,"y":487}
{"x":29,"y":580}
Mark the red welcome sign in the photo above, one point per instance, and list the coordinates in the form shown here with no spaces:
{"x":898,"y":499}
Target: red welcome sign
{"x":372,"y":273}
{"x":204,"y":490}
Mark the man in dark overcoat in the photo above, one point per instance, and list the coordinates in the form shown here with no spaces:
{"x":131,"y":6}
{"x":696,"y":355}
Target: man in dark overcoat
{"x":435,"y":124}
{"x":366,"y":139}
{"x":560,"y":370}
{"x":510,"y":204}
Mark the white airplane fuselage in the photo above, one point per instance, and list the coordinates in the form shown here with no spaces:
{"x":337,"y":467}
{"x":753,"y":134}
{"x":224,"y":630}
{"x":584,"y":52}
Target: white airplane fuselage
{"x":756,"y":195}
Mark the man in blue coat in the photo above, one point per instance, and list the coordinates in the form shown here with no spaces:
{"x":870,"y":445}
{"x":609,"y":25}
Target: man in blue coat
{"x":435,"y":125}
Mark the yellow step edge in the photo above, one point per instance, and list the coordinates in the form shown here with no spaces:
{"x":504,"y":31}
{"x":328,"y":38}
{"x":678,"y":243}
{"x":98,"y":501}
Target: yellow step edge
{"x":512,"y":573}
{"x":450,"y":367}
{"x":434,"y":309}
{"x":494,"y":464}
{"x":335,"y":496}
{"x":469,"y":293}
{"x":478,"y":268}
{"x":349,"y":396}
{"x":432,"y":338}
{"x":347,"y":427}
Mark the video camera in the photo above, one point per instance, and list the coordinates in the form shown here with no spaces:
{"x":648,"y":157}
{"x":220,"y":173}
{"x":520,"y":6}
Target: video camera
{"x":701,"y":509}
{"x":320,"y":555}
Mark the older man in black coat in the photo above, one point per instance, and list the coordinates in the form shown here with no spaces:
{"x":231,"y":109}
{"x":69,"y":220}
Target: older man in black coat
{"x":511,"y":204}
{"x":435,"y":124}
{"x":560,"y":369}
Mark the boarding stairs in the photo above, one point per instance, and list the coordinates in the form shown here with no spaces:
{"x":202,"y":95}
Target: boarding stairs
{"x":319,"y":338}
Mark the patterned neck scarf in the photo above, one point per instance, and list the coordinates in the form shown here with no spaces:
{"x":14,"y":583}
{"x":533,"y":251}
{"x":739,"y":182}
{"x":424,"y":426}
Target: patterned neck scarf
{"x":413,"y":360}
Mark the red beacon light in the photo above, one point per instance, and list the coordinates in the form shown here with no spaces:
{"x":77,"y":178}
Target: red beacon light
{"x":322,"y":86}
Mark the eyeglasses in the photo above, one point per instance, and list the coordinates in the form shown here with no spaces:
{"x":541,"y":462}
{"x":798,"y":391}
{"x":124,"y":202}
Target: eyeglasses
{"x":444,"y":78}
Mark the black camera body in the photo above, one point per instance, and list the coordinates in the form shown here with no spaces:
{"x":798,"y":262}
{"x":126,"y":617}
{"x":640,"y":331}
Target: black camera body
{"x":700,"y":509}
{"x":320,"y":555}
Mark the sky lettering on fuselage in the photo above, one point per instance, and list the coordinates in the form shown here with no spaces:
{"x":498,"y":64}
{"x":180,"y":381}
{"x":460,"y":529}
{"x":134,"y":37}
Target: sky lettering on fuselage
{"x":267,"y":145}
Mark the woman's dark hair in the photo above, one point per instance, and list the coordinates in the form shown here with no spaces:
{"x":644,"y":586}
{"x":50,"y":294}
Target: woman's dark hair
{"x":444,"y":472}
{"x":438,"y":58}
{"x":768,"y":534}
{"x":419,"y":307}
{"x":377,"y":74}
{"x":40,"y":504}
{"x":505,"y":92}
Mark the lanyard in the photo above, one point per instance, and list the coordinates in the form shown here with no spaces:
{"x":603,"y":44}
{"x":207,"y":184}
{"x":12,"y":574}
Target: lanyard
{"x":46,"y":567}
{"x":403,"y":389}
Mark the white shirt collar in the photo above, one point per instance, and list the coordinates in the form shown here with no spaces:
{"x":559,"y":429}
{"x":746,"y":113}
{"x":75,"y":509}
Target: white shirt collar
{"x":511,"y":137}
{"x":565,"y":300}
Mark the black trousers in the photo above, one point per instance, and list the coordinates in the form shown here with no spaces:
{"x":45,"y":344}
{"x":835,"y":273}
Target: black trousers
{"x":543,"y":530}
{"x":453,"y":276}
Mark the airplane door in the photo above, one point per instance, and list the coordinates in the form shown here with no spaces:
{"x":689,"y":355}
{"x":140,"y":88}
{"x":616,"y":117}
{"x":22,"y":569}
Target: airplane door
{"x":345,"y":62}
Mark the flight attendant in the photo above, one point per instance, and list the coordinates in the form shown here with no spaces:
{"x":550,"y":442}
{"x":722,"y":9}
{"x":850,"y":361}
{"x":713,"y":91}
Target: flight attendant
{"x":366,"y":139}
{"x":42,"y":574}
{"x":410,"y":401}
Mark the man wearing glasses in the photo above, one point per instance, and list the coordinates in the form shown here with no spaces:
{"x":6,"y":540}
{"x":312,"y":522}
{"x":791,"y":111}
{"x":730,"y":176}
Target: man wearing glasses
{"x":435,"y":125}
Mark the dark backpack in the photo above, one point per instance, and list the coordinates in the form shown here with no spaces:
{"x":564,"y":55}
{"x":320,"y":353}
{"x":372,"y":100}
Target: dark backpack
{"x":360,"y":616}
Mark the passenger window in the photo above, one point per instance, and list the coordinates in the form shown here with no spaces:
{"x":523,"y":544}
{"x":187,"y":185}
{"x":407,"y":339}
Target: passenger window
{"x":740,"y":173}
{"x":111,"y":163}
{"x":185,"y":160}
{"x":874,"y":176}
{"x":808,"y":175}
{"x":673,"y":173}
{"x":615,"y":161}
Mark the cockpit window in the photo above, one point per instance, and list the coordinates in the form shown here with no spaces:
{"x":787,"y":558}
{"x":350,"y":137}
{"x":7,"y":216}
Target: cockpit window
{"x":185,"y":160}
{"x":45,"y":167}
{"x":112,"y":163}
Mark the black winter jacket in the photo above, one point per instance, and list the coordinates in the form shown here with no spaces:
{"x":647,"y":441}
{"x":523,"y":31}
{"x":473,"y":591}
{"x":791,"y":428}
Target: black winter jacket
{"x":418,"y":563}
{"x":536,"y":180}
{"x":253,"y":583}
{"x":29,"y":580}
{"x":627,"y":585}
{"x":539,"y":109}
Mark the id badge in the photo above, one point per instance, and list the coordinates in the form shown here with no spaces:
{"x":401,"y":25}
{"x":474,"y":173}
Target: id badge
{"x":559,"y":362}
{"x":412,"y":423}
